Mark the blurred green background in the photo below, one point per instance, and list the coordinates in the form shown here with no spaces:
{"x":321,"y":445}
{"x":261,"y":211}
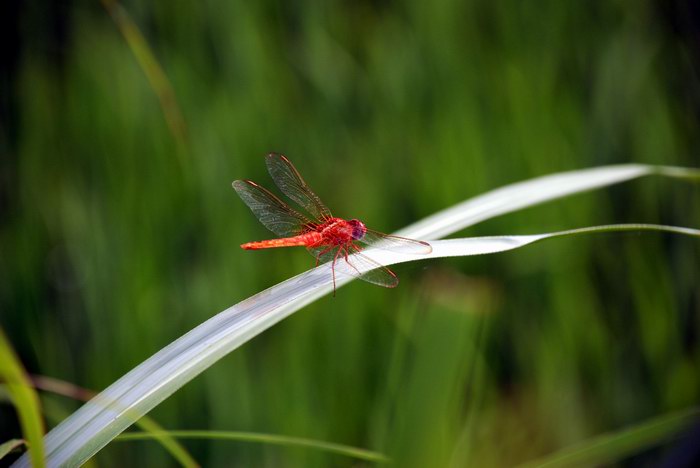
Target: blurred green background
{"x":119,"y":230}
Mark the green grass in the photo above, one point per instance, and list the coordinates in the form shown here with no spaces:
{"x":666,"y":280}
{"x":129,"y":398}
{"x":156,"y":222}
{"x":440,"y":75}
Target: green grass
{"x":609,"y":448}
{"x":26,"y":402}
{"x":271,"y":439}
{"x":10,"y":446}
{"x":122,"y":238}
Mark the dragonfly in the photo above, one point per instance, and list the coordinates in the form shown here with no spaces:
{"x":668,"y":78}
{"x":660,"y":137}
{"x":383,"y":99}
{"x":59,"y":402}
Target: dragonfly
{"x":326,"y":237}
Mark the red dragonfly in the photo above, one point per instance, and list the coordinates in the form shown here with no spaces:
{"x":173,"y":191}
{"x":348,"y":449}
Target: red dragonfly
{"x":326,"y":237}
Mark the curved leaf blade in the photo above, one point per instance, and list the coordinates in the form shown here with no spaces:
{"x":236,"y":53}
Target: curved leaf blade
{"x":615,"y":446}
{"x":274,"y":439}
{"x":25,"y":400}
{"x":107,"y":415}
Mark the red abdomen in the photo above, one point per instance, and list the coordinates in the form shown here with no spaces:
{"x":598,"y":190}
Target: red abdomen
{"x":307,"y":240}
{"x":335,"y":231}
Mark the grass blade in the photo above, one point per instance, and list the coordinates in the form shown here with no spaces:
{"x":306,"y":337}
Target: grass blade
{"x":151,"y":67}
{"x":116,"y":408}
{"x":150,"y":426}
{"x":25,"y":400}
{"x":609,"y":448}
{"x":532,"y":192}
{"x":274,"y":439}
{"x":9,"y":446}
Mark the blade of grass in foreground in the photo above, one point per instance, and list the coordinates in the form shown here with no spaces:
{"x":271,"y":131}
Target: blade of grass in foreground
{"x":339,"y":449}
{"x":532,"y":192}
{"x":609,"y":448}
{"x":25,"y":400}
{"x":150,"y":426}
{"x":116,"y":408}
{"x":12,"y":444}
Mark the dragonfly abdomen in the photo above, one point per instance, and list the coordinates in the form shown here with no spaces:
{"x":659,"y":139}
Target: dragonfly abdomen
{"x":308,"y":239}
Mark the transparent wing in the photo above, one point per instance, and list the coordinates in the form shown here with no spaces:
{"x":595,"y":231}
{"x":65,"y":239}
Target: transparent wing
{"x":291,"y":184}
{"x":275,"y":214}
{"x":395,"y":243}
{"x":356,"y":263}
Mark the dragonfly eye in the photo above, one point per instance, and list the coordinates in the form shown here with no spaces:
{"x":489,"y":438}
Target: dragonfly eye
{"x":358,"y":229}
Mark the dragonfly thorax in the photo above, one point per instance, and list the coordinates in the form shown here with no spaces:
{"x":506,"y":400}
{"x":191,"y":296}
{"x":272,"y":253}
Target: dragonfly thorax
{"x":338,"y":231}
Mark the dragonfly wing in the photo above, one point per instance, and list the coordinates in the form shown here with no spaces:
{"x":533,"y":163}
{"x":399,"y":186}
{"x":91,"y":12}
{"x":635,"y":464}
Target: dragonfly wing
{"x":379,"y":274}
{"x":356,"y":264}
{"x":291,"y":184}
{"x":272,"y":212}
{"x":382,"y":241}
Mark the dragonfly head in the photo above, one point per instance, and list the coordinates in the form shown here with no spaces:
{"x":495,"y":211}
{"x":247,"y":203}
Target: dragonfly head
{"x":358,"y":229}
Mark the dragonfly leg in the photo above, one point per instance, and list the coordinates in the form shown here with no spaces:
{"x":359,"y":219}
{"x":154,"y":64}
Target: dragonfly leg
{"x":320,"y":254}
{"x":323,"y":252}
{"x":345,"y":249}
{"x":356,"y":248}
{"x":333,"y":267}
